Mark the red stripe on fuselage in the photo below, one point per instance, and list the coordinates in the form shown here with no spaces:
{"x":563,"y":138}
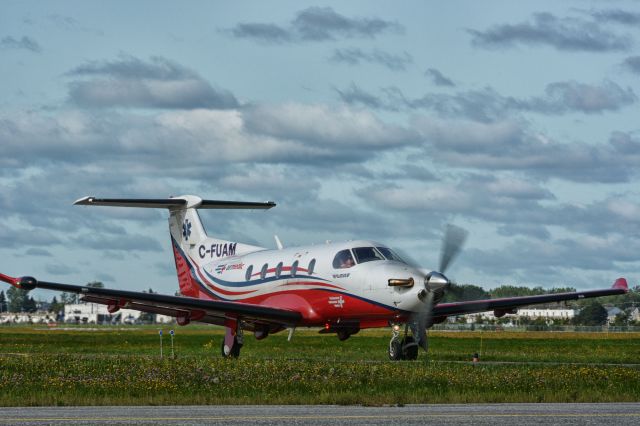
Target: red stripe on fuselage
{"x":318,"y":301}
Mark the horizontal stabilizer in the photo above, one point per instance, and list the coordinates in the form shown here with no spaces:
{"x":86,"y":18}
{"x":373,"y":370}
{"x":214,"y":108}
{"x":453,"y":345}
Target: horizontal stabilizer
{"x":173,"y":203}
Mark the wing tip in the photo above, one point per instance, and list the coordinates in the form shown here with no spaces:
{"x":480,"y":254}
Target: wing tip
{"x":27,"y":283}
{"x":83,"y":201}
{"x":621,"y":284}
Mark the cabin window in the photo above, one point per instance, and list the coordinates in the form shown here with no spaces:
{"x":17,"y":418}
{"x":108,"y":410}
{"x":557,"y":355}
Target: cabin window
{"x":249,"y":273}
{"x":294,"y":268}
{"x":312,"y":266}
{"x":343,"y":260}
{"x":278,"y":270}
{"x":263,"y":271}
{"x":367,"y":254}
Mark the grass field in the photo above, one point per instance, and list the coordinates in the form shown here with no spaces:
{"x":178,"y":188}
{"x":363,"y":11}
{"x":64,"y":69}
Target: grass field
{"x":101,"y":366}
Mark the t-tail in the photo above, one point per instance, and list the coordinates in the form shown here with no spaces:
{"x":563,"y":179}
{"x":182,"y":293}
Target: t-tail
{"x":190,"y":242}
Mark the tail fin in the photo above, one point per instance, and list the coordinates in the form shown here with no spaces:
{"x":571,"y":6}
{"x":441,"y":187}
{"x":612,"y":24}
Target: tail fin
{"x":189,"y":239}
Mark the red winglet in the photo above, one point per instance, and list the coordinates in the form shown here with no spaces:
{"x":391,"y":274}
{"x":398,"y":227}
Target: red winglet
{"x":621,"y":283}
{"x":7,"y":279}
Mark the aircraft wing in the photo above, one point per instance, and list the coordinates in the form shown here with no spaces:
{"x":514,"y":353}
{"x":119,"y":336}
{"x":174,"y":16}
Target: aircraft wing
{"x":510,"y":304}
{"x":185,"y":309}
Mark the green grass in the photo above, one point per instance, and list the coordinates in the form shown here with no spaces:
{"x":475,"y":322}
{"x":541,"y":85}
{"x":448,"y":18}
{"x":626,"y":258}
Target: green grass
{"x":111,"y":366}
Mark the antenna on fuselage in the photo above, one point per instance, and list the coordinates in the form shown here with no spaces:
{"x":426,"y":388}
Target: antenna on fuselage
{"x":278,"y":242}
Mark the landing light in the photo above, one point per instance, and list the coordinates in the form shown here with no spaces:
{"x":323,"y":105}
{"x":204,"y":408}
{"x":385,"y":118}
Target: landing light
{"x":396,"y":327}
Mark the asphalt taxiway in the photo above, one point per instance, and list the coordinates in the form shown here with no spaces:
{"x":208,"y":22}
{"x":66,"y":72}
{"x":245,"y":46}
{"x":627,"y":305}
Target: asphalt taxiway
{"x":441,"y":414}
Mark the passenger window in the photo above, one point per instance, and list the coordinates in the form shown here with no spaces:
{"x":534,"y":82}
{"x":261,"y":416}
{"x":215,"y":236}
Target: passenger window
{"x":249,"y":272}
{"x":294,"y":268}
{"x":343,"y":260}
{"x":263,"y":271}
{"x":367,"y":254}
{"x":312,"y":266}
{"x":278,"y":270}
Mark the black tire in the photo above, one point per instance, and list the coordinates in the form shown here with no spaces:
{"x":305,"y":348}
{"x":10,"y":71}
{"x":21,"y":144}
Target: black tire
{"x":395,"y":350}
{"x":343,"y":335}
{"x":235,"y":349}
{"x":409,"y":348}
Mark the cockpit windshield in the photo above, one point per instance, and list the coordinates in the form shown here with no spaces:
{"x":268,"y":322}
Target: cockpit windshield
{"x":367,"y":254}
{"x":344,"y":258}
{"x":390,"y":254}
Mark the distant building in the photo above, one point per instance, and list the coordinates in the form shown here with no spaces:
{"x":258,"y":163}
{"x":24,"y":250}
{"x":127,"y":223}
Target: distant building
{"x":522,"y":313}
{"x":27,"y":318}
{"x":94,"y":313}
{"x":612,"y":313}
{"x":547,"y":313}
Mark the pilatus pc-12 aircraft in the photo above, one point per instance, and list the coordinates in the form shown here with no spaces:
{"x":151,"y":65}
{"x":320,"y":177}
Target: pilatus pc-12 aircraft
{"x":341,"y":287}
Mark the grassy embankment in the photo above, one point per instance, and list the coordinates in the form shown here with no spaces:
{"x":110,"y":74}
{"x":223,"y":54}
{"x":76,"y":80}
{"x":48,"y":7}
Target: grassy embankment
{"x":81,"y":367}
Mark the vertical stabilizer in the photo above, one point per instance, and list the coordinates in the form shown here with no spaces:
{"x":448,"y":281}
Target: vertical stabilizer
{"x":191,"y":246}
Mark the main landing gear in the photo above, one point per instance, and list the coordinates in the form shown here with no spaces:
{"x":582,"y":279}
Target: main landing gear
{"x":402,"y":347}
{"x":232,"y":342}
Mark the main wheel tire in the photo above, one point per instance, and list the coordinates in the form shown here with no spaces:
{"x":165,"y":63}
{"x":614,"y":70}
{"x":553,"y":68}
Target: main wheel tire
{"x":343,"y":335}
{"x":395,"y":350}
{"x":235,"y":349}
{"x":409,"y":348}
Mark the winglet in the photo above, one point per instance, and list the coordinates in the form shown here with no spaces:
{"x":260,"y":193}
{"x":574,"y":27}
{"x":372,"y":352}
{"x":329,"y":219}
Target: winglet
{"x":10,"y":280}
{"x":621,"y":283}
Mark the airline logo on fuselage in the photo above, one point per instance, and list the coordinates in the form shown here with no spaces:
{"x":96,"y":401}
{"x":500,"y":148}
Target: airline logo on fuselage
{"x":217,"y":250}
{"x":221,"y":268}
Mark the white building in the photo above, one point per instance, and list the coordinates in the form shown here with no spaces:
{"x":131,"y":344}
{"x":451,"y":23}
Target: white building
{"x":27,"y":318}
{"x":612,"y":313}
{"x":94,"y":313}
{"x":528,"y":313}
{"x":547,"y":313}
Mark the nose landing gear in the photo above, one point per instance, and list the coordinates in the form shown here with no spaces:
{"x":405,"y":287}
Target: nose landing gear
{"x":402,"y":347}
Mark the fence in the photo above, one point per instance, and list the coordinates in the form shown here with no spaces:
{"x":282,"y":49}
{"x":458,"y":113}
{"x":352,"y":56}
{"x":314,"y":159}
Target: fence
{"x":558,"y":328}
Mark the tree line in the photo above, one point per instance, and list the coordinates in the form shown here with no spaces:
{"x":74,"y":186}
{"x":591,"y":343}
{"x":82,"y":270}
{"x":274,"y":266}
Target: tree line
{"x":18,"y":300}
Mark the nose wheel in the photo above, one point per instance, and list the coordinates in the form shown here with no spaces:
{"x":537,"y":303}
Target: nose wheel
{"x":402,"y":347}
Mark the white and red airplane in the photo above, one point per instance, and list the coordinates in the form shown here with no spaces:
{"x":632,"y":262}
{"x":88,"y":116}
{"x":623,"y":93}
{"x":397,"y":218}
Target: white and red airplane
{"x":342,"y":287}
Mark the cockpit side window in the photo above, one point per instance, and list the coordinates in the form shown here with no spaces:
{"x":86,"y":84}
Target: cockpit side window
{"x":390,"y":254}
{"x":367,"y":254}
{"x":343,"y":260}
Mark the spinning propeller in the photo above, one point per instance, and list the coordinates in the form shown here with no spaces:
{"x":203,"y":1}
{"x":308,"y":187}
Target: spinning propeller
{"x":452,"y":243}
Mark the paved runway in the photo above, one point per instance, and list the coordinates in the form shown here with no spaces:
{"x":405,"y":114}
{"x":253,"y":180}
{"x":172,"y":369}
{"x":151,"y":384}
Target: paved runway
{"x":476,"y":414}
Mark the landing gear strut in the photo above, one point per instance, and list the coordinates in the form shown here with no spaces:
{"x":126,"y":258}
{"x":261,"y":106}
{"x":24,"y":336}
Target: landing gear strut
{"x":402,"y":347}
{"x":232,"y":342}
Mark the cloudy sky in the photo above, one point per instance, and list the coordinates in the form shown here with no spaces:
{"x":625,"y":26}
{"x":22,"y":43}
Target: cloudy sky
{"x":518,"y":121}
